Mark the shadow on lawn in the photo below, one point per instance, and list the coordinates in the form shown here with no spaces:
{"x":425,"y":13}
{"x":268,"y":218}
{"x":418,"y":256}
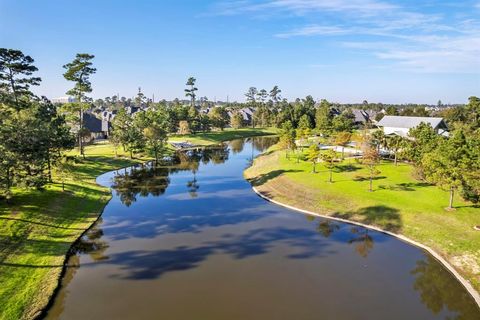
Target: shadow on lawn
{"x":410,"y":186}
{"x":346,"y":168}
{"x":385,"y":217}
{"x":366,"y":178}
{"x":263,"y":178}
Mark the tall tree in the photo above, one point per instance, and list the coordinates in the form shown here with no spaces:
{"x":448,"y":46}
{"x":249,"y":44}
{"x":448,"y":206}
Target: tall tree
{"x":154,"y":126}
{"x":323,"y":118}
{"x":275,"y":94}
{"x":262,"y":95}
{"x":449,"y":164}
{"x":191,"y":89}
{"x":79,"y":72}
{"x":251,"y":96}
{"x":15,"y":77}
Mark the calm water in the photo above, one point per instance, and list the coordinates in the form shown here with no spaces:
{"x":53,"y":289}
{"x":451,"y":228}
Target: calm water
{"x":192,"y":241}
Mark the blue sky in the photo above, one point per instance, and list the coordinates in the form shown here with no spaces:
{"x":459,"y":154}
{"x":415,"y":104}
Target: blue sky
{"x":342,"y":50}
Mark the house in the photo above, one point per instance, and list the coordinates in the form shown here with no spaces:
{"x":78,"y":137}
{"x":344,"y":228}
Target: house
{"x":98,"y":128}
{"x":361,"y":117}
{"x":400,"y":125}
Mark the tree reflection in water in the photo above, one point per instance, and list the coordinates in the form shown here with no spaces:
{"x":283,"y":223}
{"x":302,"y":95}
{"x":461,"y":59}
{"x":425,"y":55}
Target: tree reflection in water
{"x":145,"y":180}
{"x":362,"y":240}
{"x":151,"y":180}
{"x":440,"y":291}
{"x":358,"y":236}
{"x":92,"y":244}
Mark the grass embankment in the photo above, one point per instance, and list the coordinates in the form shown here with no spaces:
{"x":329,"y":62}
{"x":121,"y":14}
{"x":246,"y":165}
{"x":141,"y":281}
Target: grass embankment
{"x":399,"y":203}
{"x":38,"y":228}
{"x":208,"y":138}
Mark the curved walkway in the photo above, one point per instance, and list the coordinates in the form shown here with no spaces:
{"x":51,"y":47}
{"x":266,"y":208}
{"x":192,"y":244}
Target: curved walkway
{"x":474,"y":293}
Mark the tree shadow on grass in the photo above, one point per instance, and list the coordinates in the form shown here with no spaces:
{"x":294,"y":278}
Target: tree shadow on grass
{"x":366,"y":178}
{"x":385,"y":217}
{"x":407,"y":186}
{"x":263,"y":178}
{"x":346,"y":168}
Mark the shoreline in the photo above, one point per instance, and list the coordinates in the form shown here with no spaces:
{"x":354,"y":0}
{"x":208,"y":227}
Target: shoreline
{"x":466,"y":284}
{"x":42,"y":312}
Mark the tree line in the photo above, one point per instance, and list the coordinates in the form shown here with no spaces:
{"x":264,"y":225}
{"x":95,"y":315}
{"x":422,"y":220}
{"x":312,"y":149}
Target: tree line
{"x":451,"y":161}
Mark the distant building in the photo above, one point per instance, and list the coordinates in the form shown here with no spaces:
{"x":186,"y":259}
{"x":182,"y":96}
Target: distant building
{"x":400,"y":125}
{"x":98,"y":128}
{"x":63,"y":100}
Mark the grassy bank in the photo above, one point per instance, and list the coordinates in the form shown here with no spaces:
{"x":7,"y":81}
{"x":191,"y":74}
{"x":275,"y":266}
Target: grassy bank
{"x":399,"y":204}
{"x":38,"y":227}
{"x":208,"y":138}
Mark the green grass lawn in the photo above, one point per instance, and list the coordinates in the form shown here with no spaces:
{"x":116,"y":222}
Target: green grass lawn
{"x":38,"y":227}
{"x":399,"y":203}
{"x":212,"y":137}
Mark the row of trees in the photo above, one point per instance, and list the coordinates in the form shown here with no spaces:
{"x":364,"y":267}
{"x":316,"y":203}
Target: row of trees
{"x":452,"y":162}
{"x":33,"y":133}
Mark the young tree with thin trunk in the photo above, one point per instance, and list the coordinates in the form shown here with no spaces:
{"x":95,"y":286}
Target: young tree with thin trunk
{"x":342,"y":139}
{"x":394,"y":144}
{"x":312,"y":155}
{"x":371,"y":159}
{"x":287,"y":137}
{"x":79,"y":72}
{"x":329,"y":158}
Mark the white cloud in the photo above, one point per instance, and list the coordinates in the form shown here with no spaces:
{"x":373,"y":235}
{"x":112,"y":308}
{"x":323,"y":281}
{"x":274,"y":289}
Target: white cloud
{"x":314,"y":30}
{"x":413,"y":40}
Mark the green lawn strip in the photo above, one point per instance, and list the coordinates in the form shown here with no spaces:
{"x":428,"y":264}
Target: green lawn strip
{"x":208,"y":138}
{"x":399,"y":203}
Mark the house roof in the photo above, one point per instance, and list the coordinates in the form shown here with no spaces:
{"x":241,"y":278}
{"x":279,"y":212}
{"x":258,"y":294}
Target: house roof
{"x":411,"y":122}
{"x":360,"y":115}
{"x":92,"y":123}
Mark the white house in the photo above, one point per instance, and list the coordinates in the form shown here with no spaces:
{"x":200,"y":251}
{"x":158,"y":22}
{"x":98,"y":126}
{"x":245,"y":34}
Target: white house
{"x":400,"y":125}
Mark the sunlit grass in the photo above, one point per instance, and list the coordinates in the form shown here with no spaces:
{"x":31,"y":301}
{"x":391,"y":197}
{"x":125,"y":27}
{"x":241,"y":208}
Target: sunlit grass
{"x":399,"y":203}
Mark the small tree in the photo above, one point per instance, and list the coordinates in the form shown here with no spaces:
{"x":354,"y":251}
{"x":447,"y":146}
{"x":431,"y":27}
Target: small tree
{"x":183,"y":127}
{"x":371,"y":159}
{"x":342,"y":139}
{"x":65,"y":168}
{"x":236,"y":120}
{"x":394,"y":144}
{"x":312,"y":155}
{"x":287,"y":137}
{"x":329,"y":157}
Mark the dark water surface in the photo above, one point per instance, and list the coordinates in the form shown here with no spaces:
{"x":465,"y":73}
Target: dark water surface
{"x":194,"y":242}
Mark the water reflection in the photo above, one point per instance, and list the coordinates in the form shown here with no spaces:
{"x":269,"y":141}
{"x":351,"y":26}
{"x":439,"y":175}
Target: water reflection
{"x":92,"y":244}
{"x":355,"y":235}
{"x":197,"y":228}
{"x":439,"y":293}
{"x":140,"y":180}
